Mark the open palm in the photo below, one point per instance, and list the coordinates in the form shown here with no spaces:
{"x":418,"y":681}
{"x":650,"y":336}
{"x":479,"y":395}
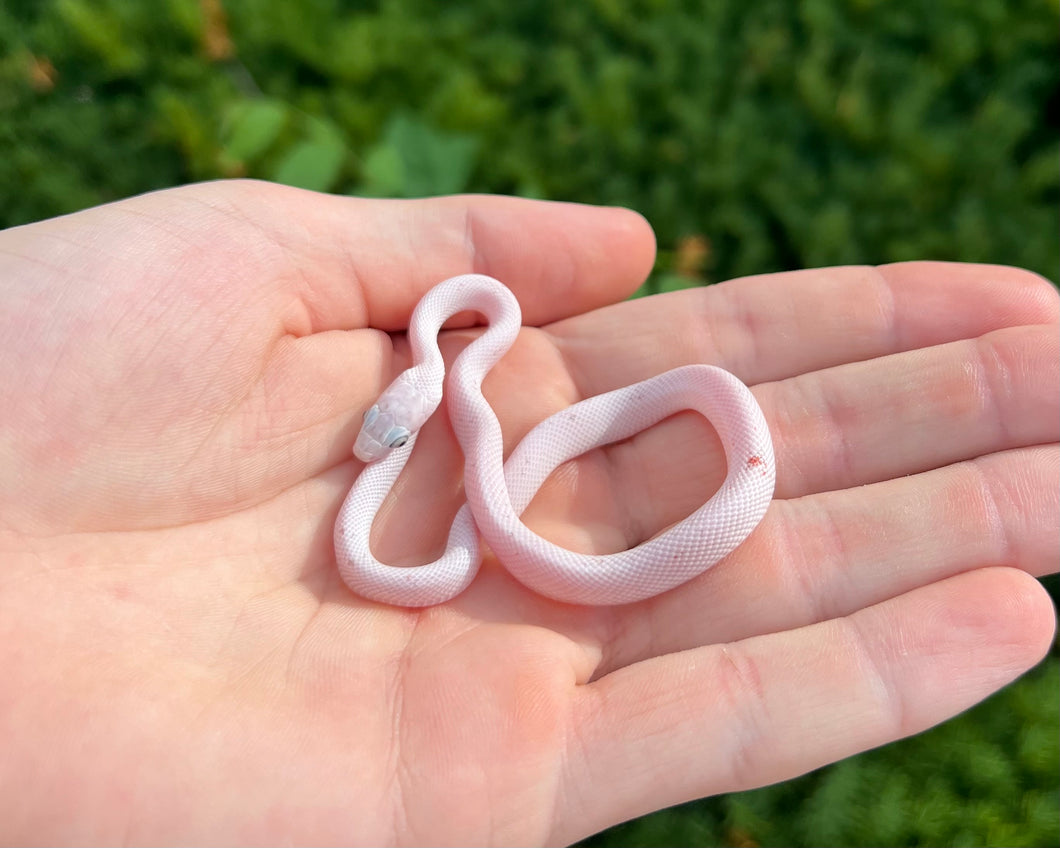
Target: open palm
{"x":183,"y":379}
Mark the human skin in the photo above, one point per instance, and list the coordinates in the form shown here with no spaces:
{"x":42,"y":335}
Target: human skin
{"x":184,"y":375}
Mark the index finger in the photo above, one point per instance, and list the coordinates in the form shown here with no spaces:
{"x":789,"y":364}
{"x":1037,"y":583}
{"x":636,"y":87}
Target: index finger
{"x":350,"y":262}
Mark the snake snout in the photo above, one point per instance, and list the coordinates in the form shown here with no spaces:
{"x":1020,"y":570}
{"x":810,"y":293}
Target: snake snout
{"x":380,"y":434}
{"x":367,"y":448}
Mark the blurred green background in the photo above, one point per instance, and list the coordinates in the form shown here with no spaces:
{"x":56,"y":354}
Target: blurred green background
{"x":755,"y":136}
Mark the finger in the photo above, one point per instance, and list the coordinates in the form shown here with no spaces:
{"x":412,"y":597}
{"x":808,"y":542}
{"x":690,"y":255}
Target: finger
{"x":732,"y":717}
{"x":776,"y":326}
{"x":900,"y":414}
{"x":829,"y":555}
{"x":332,"y":262}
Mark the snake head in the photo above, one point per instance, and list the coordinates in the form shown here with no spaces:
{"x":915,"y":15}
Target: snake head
{"x":393,"y":420}
{"x":379,"y":435}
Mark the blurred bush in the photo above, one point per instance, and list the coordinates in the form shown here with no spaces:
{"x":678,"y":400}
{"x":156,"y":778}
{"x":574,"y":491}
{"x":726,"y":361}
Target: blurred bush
{"x":780,"y":134}
{"x":754,"y":136}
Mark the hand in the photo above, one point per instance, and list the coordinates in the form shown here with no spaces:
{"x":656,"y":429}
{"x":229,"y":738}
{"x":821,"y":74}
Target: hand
{"x":184,"y":374}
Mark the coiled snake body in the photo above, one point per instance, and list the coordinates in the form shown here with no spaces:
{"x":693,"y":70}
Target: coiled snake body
{"x":498,"y":491}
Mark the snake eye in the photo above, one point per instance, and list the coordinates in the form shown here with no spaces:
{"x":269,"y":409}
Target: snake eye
{"x":396,"y":437}
{"x":370,"y":414}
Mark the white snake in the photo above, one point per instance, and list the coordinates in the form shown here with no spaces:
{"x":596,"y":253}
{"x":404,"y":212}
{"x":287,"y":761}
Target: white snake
{"x":498,"y":491}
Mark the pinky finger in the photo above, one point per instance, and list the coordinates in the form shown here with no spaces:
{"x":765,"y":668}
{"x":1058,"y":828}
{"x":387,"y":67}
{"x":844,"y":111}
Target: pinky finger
{"x":724,"y":718}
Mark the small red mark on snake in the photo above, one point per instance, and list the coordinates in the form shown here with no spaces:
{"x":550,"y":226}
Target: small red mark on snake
{"x":755,"y":461}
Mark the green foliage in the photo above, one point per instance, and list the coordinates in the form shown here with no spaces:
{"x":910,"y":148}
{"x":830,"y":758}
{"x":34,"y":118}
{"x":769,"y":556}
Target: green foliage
{"x":754,"y":136}
{"x":988,"y":778}
{"x":414,"y":160}
{"x":786,"y":134}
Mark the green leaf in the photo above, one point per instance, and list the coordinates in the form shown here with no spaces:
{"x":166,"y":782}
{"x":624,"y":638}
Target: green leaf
{"x":253,"y":127}
{"x":100,"y":30}
{"x":384,"y":172}
{"x":313,"y":165}
{"x":324,"y":131}
{"x":416,"y":160}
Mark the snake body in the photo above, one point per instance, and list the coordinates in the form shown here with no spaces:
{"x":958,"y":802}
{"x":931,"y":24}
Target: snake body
{"x":498,"y":491}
